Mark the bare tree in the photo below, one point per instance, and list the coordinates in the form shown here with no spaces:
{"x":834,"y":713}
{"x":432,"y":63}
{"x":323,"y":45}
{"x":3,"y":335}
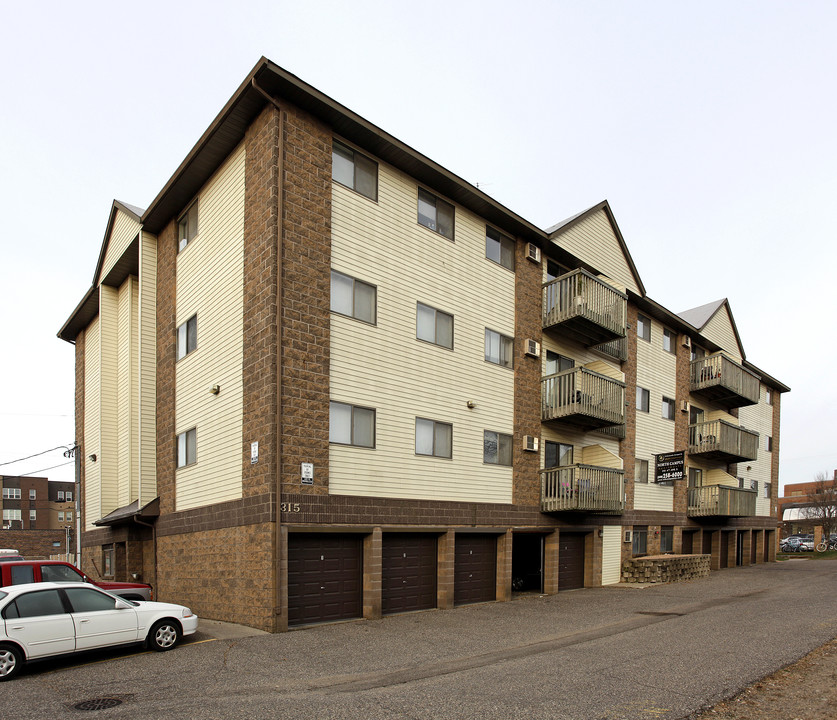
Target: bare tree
{"x":823,"y":503}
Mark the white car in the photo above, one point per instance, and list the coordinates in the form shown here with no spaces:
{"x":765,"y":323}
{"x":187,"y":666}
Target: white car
{"x":39,"y":620}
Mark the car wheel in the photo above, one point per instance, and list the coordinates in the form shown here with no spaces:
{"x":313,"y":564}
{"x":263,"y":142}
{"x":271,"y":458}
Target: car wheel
{"x":164,"y":635}
{"x":11,"y":660}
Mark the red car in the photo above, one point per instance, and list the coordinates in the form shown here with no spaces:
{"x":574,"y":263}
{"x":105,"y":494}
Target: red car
{"x":17,"y":572}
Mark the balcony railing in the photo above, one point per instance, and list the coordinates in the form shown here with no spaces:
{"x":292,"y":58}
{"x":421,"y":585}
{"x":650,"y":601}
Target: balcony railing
{"x":614,"y":348}
{"x":722,"y":440}
{"x":585,"y":308}
{"x":725,"y":381}
{"x":584,"y":398}
{"x":583,"y":488}
{"x":721,"y":501}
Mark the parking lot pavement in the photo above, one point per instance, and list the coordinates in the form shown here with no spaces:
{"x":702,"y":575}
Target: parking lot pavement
{"x":605,"y":653}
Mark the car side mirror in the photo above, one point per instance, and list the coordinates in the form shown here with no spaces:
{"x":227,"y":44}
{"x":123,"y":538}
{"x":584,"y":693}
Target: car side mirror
{"x":123,"y":604}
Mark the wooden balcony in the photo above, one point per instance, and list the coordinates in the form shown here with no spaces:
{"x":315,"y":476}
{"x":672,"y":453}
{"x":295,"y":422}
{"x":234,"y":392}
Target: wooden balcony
{"x":583,"y":398}
{"x":721,"y":501}
{"x":721,"y":440}
{"x":584,"y":308}
{"x":724,"y":381}
{"x":583,"y":488}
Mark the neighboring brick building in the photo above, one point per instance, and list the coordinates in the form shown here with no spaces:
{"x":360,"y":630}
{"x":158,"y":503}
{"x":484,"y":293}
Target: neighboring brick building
{"x":322,"y":377}
{"x":800,"y":507}
{"x":35,"y":503}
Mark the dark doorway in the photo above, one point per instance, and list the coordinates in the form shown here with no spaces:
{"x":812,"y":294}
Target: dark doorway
{"x":687,"y":545}
{"x":527,"y":563}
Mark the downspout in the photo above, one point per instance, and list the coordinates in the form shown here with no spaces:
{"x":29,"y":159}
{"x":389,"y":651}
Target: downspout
{"x":280,"y":610}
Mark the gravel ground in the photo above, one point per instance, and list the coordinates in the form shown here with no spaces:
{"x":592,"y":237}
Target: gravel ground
{"x":806,"y":690}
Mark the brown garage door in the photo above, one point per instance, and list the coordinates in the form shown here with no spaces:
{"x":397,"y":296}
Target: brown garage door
{"x":324,"y":578}
{"x":570,"y":561}
{"x":408,"y":572}
{"x":475,"y":569}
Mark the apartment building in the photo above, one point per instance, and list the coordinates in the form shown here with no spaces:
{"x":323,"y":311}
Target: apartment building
{"x":35,"y":503}
{"x":321,"y":377}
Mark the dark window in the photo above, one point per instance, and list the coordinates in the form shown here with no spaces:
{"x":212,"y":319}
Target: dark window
{"x":640,"y":541}
{"x":355,"y":171}
{"x":499,"y":248}
{"x":187,"y":448}
{"x":187,"y":227}
{"x":60,"y":573}
{"x":667,"y":538}
{"x":496,"y":448}
{"x":353,"y":298}
{"x":670,"y":341}
{"x":643,"y":327}
{"x":557,"y":454}
{"x":556,"y":363}
{"x":641,"y":471}
{"x":668,"y":408}
{"x":37,"y":604}
{"x":89,"y":600}
{"x":643,"y":399}
{"x":22,"y":574}
{"x":187,"y":337}
{"x":435,"y":213}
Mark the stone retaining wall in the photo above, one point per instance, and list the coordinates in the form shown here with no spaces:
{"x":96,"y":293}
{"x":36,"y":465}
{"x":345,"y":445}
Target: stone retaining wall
{"x":665,"y":568}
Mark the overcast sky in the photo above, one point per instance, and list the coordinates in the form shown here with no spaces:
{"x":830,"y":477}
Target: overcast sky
{"x":710,"y":127}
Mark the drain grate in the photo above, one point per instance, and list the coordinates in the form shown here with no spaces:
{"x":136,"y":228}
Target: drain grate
{"x":98,"y":704}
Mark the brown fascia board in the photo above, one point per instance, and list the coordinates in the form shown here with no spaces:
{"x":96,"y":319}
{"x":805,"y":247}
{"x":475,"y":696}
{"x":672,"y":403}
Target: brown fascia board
{"x":767,"y":379}
{"x":229,"y":127}
{"x":557,"y":230}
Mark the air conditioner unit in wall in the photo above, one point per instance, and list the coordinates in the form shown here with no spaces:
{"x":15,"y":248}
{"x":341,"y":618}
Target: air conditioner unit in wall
{"x":687,"y":341}
{"x":530,"y":443}
{"x":684,"y":406}
{"x":533,"y":252}
{"x":533,"y":348}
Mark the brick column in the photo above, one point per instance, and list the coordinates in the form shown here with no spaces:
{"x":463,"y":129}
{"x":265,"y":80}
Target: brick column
{"x":504,"y":566}
{"x":372,"y":574}
{"x":550,"y":563}
{"x":445,"y":557}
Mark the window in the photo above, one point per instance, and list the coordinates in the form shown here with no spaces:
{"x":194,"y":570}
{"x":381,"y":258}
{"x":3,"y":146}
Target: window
{"x":695,"y":477}
{"x":643,"y":399}
{"x":433,"y":438}
{"x":33,"y":516}
{"x":69,"y":515}
{"x":60,"y":496}
{"x":434,"y":326}
{"x":354,"y":170}
{"x":754,"y":485}
{"x":37,"y":604}
{"x":60,"y":516}
{"x":640,"y":540}
{"x":435,"y":213}
{"x":557,"y":454}
{"x":10,"y":514}
{"x":68,"y":496}
{"x":698,"y":353}
{"x":768,"y":396}
{"x":187,"y":337}
{"x":643,"y":327}
{"x":554,"y":270}
{"x":353,"y":298}
{"x":668,"y":408}
{"x":666,"y":538}
{"x":499,"y":349}
{"x":499,"y":248}
{"x":351,"y":425}
{"x":23,"y":574}
{"x":496,"y":448}
{"x":187,"y":227}
{"x":556,"y":363}
{"x":767,"y":490}
{"x":670,"y":341}
{"x":33,"y":494}
{"x":695,"y":415}
{"x":768,"y":443}
{"x":742,"y":483}
{"x":107,"y":560}
{"x":11,"y":493}
{"x":641,"y":471}
{"x":85,"y":600}
{"x":187,"y":448}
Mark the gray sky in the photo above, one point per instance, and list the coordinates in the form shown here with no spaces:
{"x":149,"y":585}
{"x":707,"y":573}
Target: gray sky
{"x":708,"y":126}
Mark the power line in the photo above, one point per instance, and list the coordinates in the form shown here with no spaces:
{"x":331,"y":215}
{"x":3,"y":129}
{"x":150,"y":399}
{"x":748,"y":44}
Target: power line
{"x":65,"y":448}
{"x":35,"y":472}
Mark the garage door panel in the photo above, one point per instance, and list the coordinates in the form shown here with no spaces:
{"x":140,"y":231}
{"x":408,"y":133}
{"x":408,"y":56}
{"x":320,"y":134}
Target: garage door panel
{"x":408,"y":572}
{"x":571,"y":561}
{"x":475,"y":569}
{"x":324,"y":578}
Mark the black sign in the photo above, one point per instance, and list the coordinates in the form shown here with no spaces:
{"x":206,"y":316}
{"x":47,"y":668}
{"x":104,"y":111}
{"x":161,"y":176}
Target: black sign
{"x":669,"y":467}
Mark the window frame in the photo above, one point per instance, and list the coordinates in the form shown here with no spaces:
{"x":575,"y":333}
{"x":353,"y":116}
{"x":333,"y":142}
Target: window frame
{"x":502,"y":242}
{"x":504,"y":444}
{"x":561,"y":451}
{"x":436,"y":314}
{"x":637,"y":532}
{"x":354,"y":187}
{"x":11,"y":493}
{"x":642,"y":471}
{"x":355,"y":283}
{"x":643,"y":399}
{"x":353,"y":426}
{"x":558,"y":359}
{"x":435,"y":424}
{"x":505,"y":349}
{"x":672,"y":404}
{"x":670,"y":339}
{"x":33,"y":494}
{"x":768,"y":444}
{"x":184,"y":346}
{"x":191,"y":226}
{"x":667,"y":532}
{"x":643,"y":324}
{"x":767,"y":489}
{"x":193,"y":431}
{"x":434,"y":225}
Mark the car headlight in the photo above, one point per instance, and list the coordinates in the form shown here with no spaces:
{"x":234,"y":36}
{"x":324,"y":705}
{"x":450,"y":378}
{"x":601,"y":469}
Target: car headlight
{"x":186,"y":612}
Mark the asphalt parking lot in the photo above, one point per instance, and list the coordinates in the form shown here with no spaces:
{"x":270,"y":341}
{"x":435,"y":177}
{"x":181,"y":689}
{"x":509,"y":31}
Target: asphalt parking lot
{"x":603,"y":653}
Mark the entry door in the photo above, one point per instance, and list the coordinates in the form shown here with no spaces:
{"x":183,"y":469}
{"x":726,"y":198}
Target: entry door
{"x":570,"y":561}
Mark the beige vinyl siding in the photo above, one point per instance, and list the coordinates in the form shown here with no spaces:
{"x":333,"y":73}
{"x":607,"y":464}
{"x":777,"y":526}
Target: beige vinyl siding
{"x":210,"y":282}
{"x":594,"y":241}
{"x":91,"y":441}
{"x":148,"y":369}
{"x":385,"y":367}
{"x":719,"y":330}
{"x":716,"y":476}
{"x":601,"y":457}
{"x":127,"y":393}
{"x":611,"y":554}
{"x":656,"y":372}
{"x":759,"y":418}
{"x":108,"y":398}
{"x":122,"y":233}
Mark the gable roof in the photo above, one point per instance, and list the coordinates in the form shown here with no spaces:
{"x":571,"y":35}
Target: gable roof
{"x":701,"y":316}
